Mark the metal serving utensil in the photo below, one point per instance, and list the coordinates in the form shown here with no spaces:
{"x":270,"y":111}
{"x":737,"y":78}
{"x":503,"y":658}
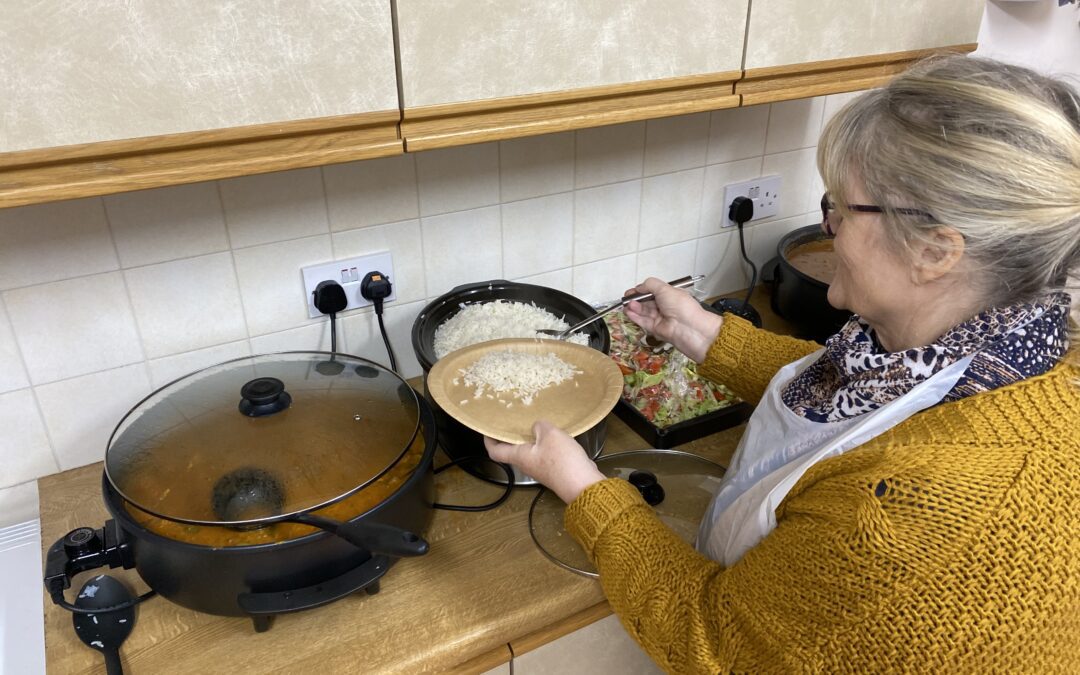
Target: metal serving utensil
{"x":683,"y":282}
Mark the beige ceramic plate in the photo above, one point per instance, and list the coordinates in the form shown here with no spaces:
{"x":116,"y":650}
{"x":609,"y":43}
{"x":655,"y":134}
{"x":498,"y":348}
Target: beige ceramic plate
{"x":575,"y":406}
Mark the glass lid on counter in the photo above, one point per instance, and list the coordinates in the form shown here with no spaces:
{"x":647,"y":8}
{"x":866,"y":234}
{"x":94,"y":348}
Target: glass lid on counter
{"x":678,"y":485}
{"x":263,"y":437}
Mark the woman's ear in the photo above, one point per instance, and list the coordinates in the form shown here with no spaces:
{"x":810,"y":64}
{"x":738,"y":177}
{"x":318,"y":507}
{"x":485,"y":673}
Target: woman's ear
{"x":936,"y":254}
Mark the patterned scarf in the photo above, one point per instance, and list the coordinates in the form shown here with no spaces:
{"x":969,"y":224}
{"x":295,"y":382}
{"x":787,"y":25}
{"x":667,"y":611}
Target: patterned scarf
{"x":855,"y":375}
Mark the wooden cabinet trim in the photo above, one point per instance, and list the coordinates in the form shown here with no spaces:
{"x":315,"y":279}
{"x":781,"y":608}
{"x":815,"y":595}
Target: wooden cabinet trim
{"x":803,"y":80}
{"x":483,"y":663}
{"x":539,"y":638}
{"x":430,"y":127}
{"x":92,"y":169}
{"x":87,"y":170}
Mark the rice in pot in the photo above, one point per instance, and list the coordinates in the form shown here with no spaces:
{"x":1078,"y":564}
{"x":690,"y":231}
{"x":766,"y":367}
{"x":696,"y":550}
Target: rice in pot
{"x":494,"y":320}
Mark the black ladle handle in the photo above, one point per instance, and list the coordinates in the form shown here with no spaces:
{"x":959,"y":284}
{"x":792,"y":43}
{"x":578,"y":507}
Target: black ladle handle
{"x":112,"y":661}
{"x":371,"y":536}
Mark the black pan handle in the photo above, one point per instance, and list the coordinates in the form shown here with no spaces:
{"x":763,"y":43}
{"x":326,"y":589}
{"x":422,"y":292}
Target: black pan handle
{"x":266,"y":604}
{"x":370,"y":536}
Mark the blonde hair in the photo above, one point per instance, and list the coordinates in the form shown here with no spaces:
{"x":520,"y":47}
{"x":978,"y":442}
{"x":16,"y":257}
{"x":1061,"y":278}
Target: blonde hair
{"x":989,"y":149}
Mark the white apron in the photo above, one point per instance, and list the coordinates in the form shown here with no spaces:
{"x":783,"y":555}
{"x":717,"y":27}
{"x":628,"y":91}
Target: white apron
{"x":779,"y":446}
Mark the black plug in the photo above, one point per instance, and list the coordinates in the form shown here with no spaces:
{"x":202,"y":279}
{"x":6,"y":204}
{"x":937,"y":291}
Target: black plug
{"x":329,"y":297}
{"x":741,"y":210}
{"x":375,"y":287}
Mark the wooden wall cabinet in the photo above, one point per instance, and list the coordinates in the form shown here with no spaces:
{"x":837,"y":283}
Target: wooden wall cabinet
{"x":111,"y":96}
{"x":125,"y":96}
{"x":482,"y":70}
{"x":796,"y":49}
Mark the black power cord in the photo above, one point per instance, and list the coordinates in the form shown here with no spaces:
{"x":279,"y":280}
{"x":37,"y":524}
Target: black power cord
{"x":741,"y":211}
{"x":507,"y":469}
{"x":58,"y":599}
{"x":376,"y":287}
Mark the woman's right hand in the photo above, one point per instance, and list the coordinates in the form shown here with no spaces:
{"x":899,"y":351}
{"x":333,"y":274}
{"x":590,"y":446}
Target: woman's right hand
{"x":676,"y":317}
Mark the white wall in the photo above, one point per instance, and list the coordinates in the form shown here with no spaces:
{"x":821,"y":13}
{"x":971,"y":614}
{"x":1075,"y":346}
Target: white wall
{"x":1038,"y":34}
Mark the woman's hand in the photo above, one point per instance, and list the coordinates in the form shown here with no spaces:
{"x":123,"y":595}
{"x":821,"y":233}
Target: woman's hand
{"x":554,"y":458}
{"x":676,"y":317}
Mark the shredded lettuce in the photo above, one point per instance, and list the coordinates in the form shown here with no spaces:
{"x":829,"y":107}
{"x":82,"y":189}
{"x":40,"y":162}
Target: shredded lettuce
{"x":661,"y":382}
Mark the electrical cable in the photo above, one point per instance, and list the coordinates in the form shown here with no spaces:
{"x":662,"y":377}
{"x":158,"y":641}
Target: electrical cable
{"x":741,"y":211}
{"x":59,"y":600}
{"x":333,"y":333}
{"x":483,"y":507}
{"x":753,"y":267}
{"x":386,"y":339}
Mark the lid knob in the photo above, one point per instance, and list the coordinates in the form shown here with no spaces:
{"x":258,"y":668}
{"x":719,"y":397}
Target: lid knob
{"x":263,"y":396}
{"x":645,"y":482}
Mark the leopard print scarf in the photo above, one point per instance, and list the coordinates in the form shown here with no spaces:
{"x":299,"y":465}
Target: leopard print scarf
{"x":855,"y":375}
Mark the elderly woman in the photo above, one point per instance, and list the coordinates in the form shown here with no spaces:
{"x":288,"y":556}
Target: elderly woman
{"x":908,"y":497}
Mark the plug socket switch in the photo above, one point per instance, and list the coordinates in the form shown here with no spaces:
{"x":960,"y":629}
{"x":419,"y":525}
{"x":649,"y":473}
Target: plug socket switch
{"x":764,"y":192}
{"x":350,"y":274}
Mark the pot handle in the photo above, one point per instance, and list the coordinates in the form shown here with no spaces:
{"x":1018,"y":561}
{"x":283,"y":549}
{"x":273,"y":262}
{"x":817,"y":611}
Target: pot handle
{"x":370,"y":536}
{"x":476,"y":284}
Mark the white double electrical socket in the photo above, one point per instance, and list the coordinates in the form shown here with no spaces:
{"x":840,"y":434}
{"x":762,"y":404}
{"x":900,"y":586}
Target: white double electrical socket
{"x":764,"y":192}
{"x":349,"y":273}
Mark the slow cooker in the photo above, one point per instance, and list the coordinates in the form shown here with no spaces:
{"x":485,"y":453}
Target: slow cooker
{"x":263,"y":485}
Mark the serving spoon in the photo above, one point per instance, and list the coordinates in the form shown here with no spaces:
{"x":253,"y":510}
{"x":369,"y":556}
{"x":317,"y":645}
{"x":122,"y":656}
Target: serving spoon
{"x":683,"y":282}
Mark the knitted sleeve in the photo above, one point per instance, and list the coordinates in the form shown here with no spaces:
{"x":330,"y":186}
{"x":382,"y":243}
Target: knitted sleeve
{"x":691,"y":615}
{"x":745,"y":358}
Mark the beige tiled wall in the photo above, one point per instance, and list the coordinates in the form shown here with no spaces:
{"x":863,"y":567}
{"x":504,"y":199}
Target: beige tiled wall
{"x":104,"y":299}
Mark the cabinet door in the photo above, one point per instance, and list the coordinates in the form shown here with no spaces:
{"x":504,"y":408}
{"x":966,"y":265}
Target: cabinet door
{"x":118,"y":95}
{"x":797,"y":49}
{"x":518,"y":67}
{"x":80,"y":73}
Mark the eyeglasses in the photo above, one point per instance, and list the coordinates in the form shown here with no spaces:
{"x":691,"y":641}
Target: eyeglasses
{"x":830,"y":222}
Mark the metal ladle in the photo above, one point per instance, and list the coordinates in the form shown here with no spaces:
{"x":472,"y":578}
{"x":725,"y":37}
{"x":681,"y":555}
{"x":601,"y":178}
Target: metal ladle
{"x":683,"y":282}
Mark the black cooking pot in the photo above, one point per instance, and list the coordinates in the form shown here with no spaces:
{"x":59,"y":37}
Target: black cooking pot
{"x":799,"y":298}
{"x":229,"y":535}
{"x":456,"y":439}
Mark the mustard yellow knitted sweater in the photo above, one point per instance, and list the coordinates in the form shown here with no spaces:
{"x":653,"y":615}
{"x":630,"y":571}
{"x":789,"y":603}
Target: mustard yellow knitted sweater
{"x":968,"y":562}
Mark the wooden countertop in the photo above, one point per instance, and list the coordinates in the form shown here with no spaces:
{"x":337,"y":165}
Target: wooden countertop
{"x":482,"y":590}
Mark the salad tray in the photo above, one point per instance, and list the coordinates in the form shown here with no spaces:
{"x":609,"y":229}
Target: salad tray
{"x":664,"y":400}
{"x":664,"y":438}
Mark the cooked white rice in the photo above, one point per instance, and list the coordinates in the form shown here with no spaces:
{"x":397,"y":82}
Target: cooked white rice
{"x":520,"y":375}
{"x":497,"y":319}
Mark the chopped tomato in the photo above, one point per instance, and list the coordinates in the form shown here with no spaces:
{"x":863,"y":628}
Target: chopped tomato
{"x":650,"y":409}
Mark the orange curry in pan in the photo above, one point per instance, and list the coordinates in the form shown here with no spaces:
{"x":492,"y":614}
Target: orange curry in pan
{"x":816,"y":259}
{"x":221,"y":536}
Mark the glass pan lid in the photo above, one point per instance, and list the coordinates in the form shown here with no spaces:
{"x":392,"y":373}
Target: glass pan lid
{"x":687,"y":484}
{"x":263,"y":437}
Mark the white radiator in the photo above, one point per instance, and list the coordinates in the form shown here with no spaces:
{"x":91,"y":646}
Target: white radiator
{"x":22,"y":621}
